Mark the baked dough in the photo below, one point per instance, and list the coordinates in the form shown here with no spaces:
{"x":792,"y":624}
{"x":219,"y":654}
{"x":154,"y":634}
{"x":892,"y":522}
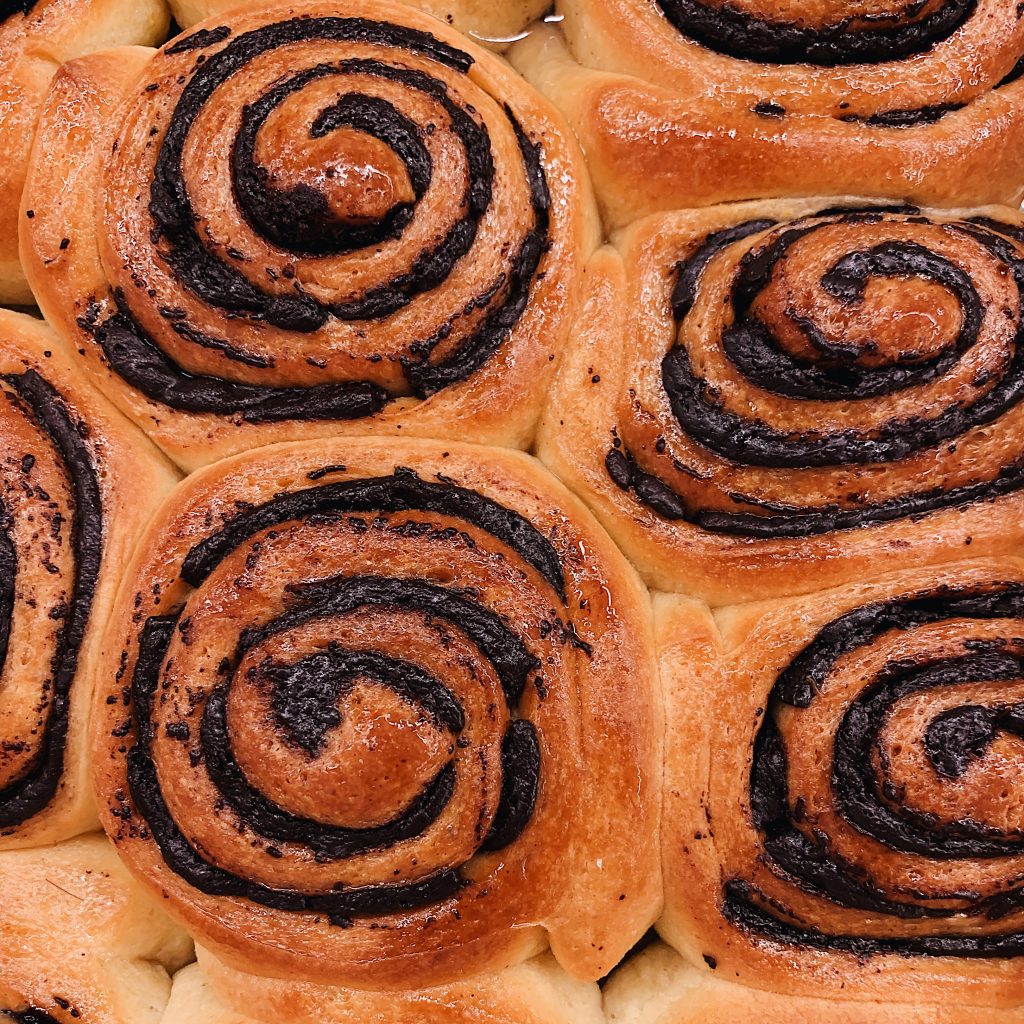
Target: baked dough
{"x":318,"y":219}
{"x":393,"y":717}
{"x":78,"y":484}
{"x":659,"y":987}
{"x":36,"y":36}
{"x":772,"y":398}
{"x":841,"y":818}
{"x":776,"y":98}
{"x":535,"y":992}
{"x":80,"y":941}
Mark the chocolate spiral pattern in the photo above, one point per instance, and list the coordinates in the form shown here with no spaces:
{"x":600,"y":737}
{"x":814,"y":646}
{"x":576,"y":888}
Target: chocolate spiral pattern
{"x":381,"y":231}
{"x":29,"y":1016}
{"x":846,"y":342}
{"x":867,"y":38}
{"x":357,"y":747}
{"x":900,"y":821}
{"x":51,"y":530}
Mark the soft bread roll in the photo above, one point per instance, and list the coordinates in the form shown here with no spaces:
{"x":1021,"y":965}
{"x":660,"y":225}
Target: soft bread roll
{"x":535,"y":992}
{"x":35,"y":38}
{"x":659,"y":987}
{"x":80,"y":941}
{"x":487,"y":22}
{"x":842,"y":815}
{"x":688,"y":102}
{"x":771,"y":398}
{"x":79,"y":483}
{"x":393,"y":717}
{"x":317,"y":219}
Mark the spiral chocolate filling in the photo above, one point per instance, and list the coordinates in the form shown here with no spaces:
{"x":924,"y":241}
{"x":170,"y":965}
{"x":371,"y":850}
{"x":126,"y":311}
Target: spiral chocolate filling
{"x":404,"y":491}
{"x":869,"y":802}
{"x":30,"y":794}
{"x":134,"y":357}
{"x":299,"y":221}
{"x":865,"y":39}
{"x":304,"y":695}
{"x":753,"y":350}
{"x":29,"y":1016}
{"x":745,"y":907}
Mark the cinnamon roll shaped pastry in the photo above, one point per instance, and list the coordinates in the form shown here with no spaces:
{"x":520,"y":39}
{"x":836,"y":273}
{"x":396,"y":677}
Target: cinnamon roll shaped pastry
{"x":693,"y":102}
{"x":36,"y":36}
{"x":770,"y":398}
{"x":316,"y":219}
{"x":842,"y":815}
{"x":659,"y":987}
{"x":80,"y":941}
{"x":385,"y":716}
{"x":78,"y":483}
{"x":534,"y":992}
{"x":494,"y":25}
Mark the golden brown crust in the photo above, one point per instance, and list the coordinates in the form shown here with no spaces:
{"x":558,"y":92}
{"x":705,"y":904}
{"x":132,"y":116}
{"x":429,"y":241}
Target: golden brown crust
{"x":32,"y":46}
{"x":659,"y":987}
{"x":735,"y":455}
{"x":81,"y":941}
{"x":229,"y":335}
{"x":80,"y":482}
{"x":407,"y":553}
{"x":537,"y":991}
{"x":491,"y":24}
{"x":666,"y":122}
{"x":821,"y":734}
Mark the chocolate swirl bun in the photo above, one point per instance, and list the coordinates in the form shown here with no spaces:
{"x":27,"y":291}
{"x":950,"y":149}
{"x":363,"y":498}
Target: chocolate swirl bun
{"x":358,"y":697}
{"x":537,"y":991}
{"x":317,"y":219}
{"x":69,"y":512}
{"x":692,"y":102}
{"x":494,"y":25}
{"x":767,"y":398}
{"x":35,"y":37}
{"x":82,"y":942}
{"x":841,"y":777}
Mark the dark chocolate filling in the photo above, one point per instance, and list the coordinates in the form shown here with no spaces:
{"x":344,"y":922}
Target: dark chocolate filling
{"x":741,"y":907}
{"x":200,"y":40}
{"x":402,"y":492}
{"x":9,"y":8}
{"x":906,"y":118}
{"x":868,"y":802}
{"x":29,"y":1016}
{"x":31,"y":793}
{"x":298,"y":220}
{"x":864,"y":40}
{"x":958,"y":737}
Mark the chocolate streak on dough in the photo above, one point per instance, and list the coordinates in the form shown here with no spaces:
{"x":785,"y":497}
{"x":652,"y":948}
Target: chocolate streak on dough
{"x":134,"y":357}
{"x":866,"y":40}
{"x":325,"y":599}
{"x":859,"y":795}
{"x":402,"y":492}
{"x":9,"y":8}
{"x":31,"y":793}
